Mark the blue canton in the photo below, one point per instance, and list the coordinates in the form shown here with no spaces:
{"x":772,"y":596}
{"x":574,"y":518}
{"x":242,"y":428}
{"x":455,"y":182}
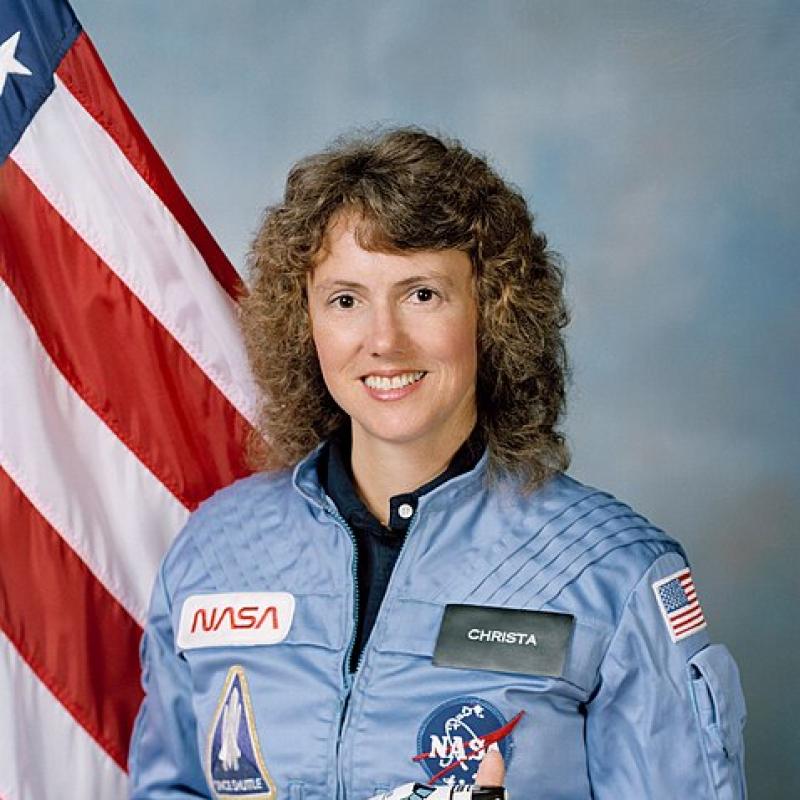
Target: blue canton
{"x":672,"y":596}
{"x":46,"y":32}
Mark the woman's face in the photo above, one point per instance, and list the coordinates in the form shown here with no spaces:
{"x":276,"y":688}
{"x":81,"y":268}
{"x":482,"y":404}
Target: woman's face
{"x":396,"y":339}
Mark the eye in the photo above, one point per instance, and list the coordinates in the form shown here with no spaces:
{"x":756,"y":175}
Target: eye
{"x":343,"y":301}
{"x":423,"y":294}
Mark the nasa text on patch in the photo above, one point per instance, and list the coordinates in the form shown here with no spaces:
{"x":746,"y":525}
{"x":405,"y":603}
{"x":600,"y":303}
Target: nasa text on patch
{"x":235,"y":619}
{"x":503,"y":640}
{"x":454,"y":737}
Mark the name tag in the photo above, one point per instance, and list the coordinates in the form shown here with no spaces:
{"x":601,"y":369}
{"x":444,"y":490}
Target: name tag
{"x":504,"y":640}
{"x":238,"y":619}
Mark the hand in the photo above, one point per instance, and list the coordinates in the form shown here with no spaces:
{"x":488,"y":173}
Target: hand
{"x":491,"y":773}
{"x":492,"y":769}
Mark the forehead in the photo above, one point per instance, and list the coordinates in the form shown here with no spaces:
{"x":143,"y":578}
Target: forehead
{"x":342,"y":258}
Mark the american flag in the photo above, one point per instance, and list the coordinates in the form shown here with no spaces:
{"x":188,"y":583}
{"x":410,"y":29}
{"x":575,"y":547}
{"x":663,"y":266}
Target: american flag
{"x":125,"y":399}
{"x":677,"y":599}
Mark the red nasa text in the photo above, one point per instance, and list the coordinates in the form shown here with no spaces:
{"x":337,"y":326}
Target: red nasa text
{"x":233,"y":618}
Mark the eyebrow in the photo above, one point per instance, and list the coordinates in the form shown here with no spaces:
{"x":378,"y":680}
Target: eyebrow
{"x":431,"y":276}
{"x":405,"y":283}
{"x":329,"y":285}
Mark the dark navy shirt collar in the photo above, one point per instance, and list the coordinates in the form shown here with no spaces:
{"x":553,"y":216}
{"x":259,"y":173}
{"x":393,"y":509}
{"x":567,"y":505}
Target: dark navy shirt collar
{"x":336,"y":477}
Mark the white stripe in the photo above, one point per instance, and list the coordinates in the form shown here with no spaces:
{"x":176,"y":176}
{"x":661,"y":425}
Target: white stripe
{"x":683,"y":610}
{"x":44,"y":753}
{"x":690,"y":620}
{"x":79,"y":169}
{"x":689,"y":632}
{"x":113,"y":512}
{"x":695,"y":613}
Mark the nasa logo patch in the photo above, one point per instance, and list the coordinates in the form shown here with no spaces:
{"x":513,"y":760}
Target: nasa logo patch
{"x":454,"y":737}
{"x":235,"y":619}
{"x":235,"y":765}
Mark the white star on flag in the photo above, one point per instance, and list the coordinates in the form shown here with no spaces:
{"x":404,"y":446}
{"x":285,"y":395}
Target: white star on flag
{"x":8,"y":62}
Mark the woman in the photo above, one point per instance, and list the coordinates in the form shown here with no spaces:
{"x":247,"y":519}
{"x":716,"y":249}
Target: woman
{"x":411,"y":579}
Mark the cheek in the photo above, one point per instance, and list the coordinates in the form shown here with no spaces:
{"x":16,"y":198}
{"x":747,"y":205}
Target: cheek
{"x":460,"y":348}
{"x":328,"y":364}
{"x":334,"y":347}
{"x":326,"y":355}
{"x":320,"y":344}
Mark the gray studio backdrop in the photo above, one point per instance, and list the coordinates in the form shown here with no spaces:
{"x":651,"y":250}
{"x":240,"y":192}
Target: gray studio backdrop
{"x":658,"y":143}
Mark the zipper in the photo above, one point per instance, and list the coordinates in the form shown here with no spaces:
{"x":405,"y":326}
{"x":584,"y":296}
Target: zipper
{"x":347,"y":681}
{"x":350,"y":682}
{"x":356,"y":598}
{"x":346,"y":707}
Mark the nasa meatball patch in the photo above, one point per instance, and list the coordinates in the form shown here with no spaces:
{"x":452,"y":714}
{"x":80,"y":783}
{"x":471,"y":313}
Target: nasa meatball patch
{"x":454,"y":738}
{"x":235,"y":766}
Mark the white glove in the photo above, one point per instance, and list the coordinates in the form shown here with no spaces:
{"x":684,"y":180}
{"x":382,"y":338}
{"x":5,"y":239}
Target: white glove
{"x":491,"y":772}
{"x":419,"y":791}
{"x":408,"y":791}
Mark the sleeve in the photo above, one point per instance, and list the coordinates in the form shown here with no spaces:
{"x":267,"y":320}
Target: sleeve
{"x":164,"y":763}
{"x":668,"y":716}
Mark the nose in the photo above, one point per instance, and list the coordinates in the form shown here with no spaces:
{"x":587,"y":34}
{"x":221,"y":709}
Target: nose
{"x":387,"y":335}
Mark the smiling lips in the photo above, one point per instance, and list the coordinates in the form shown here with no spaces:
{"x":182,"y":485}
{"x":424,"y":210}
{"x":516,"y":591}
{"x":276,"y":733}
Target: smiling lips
{"x":392,"y":387}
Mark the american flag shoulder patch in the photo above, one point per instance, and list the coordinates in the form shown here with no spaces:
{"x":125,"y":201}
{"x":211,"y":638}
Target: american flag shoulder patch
{"x":677,"y":599}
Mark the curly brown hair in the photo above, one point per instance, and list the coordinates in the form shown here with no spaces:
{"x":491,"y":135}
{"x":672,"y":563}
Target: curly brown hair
{"x":410,"y":190}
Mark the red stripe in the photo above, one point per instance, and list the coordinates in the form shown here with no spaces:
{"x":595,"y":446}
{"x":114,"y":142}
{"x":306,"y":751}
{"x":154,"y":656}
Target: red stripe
{"x":689,"y":623}
{"x":689,"y":610}
{"x":686,"y":615}
{"x":75,"y":636}
{"x":700,"y":624}
{"x":116,"y":355}
{"x":86,"y":77}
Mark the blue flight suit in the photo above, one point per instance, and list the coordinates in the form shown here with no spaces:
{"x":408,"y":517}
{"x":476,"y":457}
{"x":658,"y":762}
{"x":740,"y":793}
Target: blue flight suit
{"x":632,"y":713}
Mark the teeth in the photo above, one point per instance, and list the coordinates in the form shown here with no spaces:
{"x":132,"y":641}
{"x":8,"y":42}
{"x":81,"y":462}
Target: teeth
{"x":395,"y":382}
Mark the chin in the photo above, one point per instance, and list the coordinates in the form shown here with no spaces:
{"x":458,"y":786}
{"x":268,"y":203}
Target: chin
{"x":397,"y":431}
{"x":393,"y":434}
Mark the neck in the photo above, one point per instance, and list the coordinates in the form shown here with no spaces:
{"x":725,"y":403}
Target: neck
{"x":383,"y":469}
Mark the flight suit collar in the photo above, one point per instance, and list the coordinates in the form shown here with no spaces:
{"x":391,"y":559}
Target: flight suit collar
{"x":305,"y":478}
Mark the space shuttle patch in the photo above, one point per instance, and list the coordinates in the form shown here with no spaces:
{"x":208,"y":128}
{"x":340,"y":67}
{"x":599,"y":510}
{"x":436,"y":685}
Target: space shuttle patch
{"x":235,"y":766}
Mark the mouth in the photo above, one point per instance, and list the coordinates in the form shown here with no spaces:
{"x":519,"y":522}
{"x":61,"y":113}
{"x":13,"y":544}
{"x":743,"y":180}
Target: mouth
{"x":384,"y":383}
